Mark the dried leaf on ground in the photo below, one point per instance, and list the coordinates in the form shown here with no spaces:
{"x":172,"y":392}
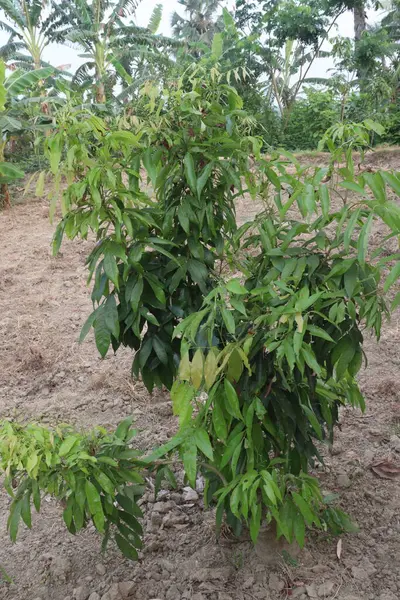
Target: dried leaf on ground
{"x":339,"y":549}
{"x":386,"y":469}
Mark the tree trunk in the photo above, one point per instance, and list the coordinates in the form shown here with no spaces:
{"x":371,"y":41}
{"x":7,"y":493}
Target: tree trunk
{"x":5,"y":195}
{"x":360,"y":21}
{"x":100,"y":93}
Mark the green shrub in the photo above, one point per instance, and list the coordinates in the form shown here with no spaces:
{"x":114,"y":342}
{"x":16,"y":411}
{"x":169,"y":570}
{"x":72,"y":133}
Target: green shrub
{"x":309,"y":118}
{"x":277,"y":348}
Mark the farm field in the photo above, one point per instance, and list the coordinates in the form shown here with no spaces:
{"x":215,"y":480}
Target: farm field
{"x":46,"y":376}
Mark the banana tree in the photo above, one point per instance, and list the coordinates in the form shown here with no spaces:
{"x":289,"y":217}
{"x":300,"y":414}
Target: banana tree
{"x":11,"y":89}
{"x":98,"y":28}
{"x":29,"y":30}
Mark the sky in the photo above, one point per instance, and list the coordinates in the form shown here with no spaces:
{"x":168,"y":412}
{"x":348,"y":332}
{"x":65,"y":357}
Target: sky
{"x":61,"y":55}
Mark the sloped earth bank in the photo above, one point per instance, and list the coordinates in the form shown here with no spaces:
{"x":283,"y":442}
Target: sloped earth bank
{"x":45,"y":375}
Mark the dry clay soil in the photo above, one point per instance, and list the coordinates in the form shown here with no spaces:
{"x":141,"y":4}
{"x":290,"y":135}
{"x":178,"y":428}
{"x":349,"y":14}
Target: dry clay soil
{"x":47,"y":376}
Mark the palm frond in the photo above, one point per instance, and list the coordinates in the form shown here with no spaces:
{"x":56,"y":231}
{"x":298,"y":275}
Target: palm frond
{"x":10,"y":50}
{"x":13,"y":12}
{"x":82,"y":74}
{"x":35,"y":10}
{"x":9,"y":29}
{"x":155,"y":19}
{"x":124,"y":8}
{"x":26,"y":81}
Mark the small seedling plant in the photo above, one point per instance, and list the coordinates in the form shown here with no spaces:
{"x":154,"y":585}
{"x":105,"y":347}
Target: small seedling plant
{"x":257,"y":331}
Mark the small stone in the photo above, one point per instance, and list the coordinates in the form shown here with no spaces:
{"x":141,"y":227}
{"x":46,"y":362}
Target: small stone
{"x":297,"y":592}
{"x":369,"y":456}
{"x":190,"y":495}
{"x":81,"y":593}
{"x":319,"y":568}
{"x":100,"y":569}
{"x":326,"y":589}
{"x":343,"y":480}
{"x":59,"y":568}
{"x":312,"y":590}
{"x":174,"y":593}
{"x":164,"y":507}
{"x":359,"y":573}
{"x":395,"y":442}
{"x":94,"y":596}
{"x":126,"y":588}
{"x":166,"y":564}
{"x":113,"y":593}
{"x":275,"y":583}
{"x":156,"y":520}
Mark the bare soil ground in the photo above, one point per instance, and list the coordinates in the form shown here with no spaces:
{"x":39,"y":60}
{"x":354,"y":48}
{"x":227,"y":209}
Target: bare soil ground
{"x":47,"y":376}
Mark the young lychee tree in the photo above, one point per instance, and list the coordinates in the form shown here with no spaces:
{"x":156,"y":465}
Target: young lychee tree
{"x":257,"y":331}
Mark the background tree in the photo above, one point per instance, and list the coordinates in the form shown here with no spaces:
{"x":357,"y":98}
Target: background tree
{"x":30,"y":32}
{"x":200,"y":23}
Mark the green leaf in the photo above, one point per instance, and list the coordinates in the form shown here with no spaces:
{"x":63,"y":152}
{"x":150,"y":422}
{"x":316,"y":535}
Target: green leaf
{"x":362,"y":244}
{"x":228,"y":319}
{"x":374,"y":126}
{"x":217,"y":45}
{"x":393,"y":181}
{"x":232,"y":400}
{"x":136,"y":294}
{"x":111,"y":315}
{"x":196,"y":368}
{"x":318,"y":332}
{"x":313,"y":420}
{"x":101,"y":333}
{"x":342,"y":355}
{"x":202,"y":441}
{"x":235,"y":287}
{"x":126,"y":548}
{"x":310,"y":359}
{"x":190,"y":172}
{"x":304,"y":508}
{"x":210,"y":369}
{"x":26,"y":510}
{"x":219,"y":423}
{"x":309,"y":198}
{"x":255,"y":522}
{"x":13,"y":519}
{"x":396,"y":302}
{"x":189,"y":458}
{"x":392,"y":277}
{"x":203,"y":178}
{"x":93,"y":498}
{"x":67,"y":445}
{"x":198,"y":271}
{"x":354,"y":187}
{"x":160,"y":349}
{"x":110,"y":268}
{"x":105,"y":483}
{"x":150,"y":162}
{"x":325,"y":199}
{"x":351,"y":280}
{"x":123,"y":429}
{"x":182,"y":395}
{"x":39,"y":185}
{"x":27,"y":80}
{"x":87,"y":326}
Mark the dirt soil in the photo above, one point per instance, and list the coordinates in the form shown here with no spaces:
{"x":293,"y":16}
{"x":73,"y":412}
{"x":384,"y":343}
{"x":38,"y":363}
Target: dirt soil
{"x":47,"y":376}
